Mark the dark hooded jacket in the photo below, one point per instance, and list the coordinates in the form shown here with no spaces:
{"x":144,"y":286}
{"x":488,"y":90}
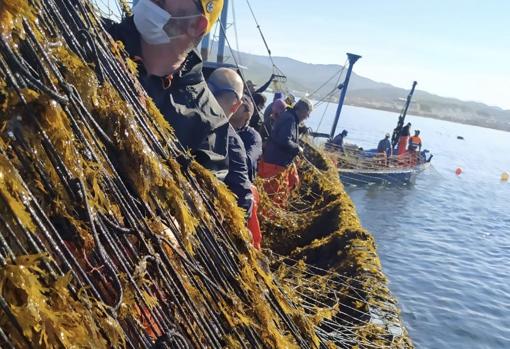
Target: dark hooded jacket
{"x":185,"y":101}
{"x":237,"y":179}
{"x":283,"y":144}
{"x":253,"y":145}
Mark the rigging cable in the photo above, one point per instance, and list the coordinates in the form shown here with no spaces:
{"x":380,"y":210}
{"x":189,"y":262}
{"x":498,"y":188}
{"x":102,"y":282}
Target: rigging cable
{"x":327,"y":97}
{"x":275,"y":67}
{"x":241,"y":75}
{"x":340,"y":71}
{"x":234,"y":18}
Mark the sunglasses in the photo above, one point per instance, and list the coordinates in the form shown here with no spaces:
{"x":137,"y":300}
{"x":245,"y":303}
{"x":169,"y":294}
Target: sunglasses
{"x":216,"y":90}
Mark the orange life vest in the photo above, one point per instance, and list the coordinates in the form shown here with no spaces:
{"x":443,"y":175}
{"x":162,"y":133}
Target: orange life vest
{"x":415,"y":140}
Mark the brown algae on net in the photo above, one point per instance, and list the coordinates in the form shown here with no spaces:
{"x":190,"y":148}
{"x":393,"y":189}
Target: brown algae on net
{"x":48,"y":315}
{"x":12,"y":13}
{"x":337,"y":251}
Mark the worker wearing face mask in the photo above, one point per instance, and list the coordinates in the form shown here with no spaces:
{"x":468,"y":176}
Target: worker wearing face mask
{"x":161,"y":37}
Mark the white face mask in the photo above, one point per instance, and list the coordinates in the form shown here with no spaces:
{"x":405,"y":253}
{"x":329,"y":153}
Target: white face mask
{"x":150,"y":21}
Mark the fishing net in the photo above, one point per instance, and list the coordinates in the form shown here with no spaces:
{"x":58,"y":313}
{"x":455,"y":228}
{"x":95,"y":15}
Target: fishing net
{"x":320,"y":248}
{"x":111,"y":236}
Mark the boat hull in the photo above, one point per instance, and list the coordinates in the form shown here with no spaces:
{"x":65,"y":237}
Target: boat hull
{"x":361,"y":177}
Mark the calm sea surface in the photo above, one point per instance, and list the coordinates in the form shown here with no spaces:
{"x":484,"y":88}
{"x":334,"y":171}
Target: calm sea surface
{"x":444,"y":242}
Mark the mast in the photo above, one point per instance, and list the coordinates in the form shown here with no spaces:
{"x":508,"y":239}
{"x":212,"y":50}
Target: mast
{"x":402,"y":117}
{"x":343,"y":87}
{"x":221,"y":41}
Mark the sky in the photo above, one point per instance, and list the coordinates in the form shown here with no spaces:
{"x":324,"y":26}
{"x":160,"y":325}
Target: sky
{"x":452,"y":48}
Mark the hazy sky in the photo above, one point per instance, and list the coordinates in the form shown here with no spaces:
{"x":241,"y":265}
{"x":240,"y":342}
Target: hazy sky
{"x":452,"y":48}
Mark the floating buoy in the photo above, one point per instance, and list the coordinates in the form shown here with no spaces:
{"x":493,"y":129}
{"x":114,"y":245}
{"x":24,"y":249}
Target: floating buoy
{"x":505,"y":176}
{"x":458,"y":171}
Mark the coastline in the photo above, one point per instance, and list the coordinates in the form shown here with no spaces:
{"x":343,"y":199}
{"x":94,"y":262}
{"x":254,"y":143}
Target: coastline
{"x":429,"y":116}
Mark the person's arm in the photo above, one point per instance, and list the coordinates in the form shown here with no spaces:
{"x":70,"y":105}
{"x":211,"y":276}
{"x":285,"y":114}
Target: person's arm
{"x":254,"y":148}
{"x":264,"y":87}
{"x":282,"y":135}
{"x":253,"y":145}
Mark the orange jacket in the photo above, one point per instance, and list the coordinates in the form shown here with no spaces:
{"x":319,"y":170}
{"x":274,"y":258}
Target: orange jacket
{"x":416,"y":140}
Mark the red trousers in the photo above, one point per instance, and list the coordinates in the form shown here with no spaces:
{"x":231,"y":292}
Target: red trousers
{"x":253,"y":221}
{"x":279,"y":181}
{"x":402,"y":145}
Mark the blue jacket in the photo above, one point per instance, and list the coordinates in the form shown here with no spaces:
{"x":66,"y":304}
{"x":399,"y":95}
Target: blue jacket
{"x":185,"y":101}
{"x":253,"y":144}
{"x":339,"y":141}
{"x":237,"y":179}
{"x":268,"y":122}
{"x":283,"y":144}
{"x":384,"y":146}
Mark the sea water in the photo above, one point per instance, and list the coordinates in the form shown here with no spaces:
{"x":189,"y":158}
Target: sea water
{"x":444,"y":242}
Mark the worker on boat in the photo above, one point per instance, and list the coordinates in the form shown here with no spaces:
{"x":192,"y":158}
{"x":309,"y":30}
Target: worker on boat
{"x":290,"y":100}
{"x":414,"y":148}
{"x":161,"y":37}
{"x":278,"y":107}
{"x":253,"y":145}
{"x":227,"y":87}
{"x":384,"y":150}
{"x":269,"y":109}
{"x":280,"y":151}
{"x":404,"y":139}
{"x":337,"y":143}
{"x":251,"y":86}
{"x":251,"y":138}
{"x":415,"y":142}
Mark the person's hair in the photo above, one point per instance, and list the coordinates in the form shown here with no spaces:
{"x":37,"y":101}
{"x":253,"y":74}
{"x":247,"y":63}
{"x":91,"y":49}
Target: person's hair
{"x":304,"y":104}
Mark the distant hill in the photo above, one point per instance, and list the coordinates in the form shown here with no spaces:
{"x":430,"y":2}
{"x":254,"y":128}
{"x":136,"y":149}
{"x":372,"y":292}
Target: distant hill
{"x":305,"y":78}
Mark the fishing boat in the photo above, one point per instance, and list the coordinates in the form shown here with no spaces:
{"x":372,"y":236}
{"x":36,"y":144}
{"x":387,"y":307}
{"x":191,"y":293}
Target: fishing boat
{"x":357,"y":166}
{"x":382,"y":175}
